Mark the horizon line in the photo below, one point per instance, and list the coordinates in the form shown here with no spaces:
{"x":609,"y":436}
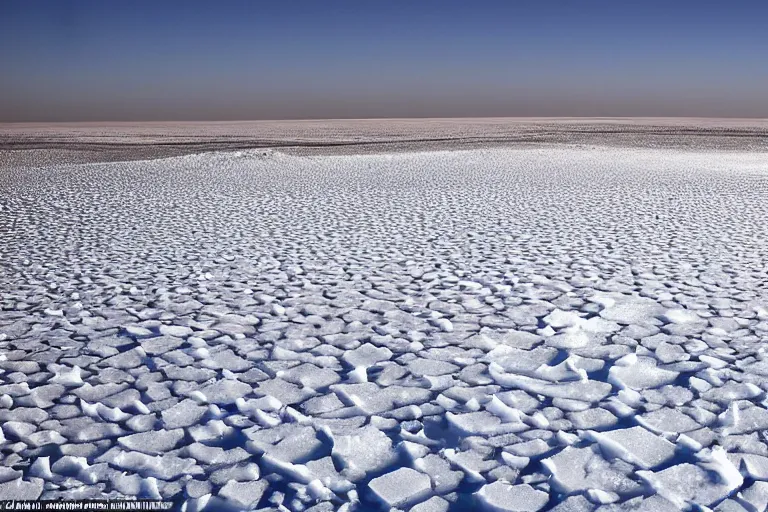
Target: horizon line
{"x":430,"y":118}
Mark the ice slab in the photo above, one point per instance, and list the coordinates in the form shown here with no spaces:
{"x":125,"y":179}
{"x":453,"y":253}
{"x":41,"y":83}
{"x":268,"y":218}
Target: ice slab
{"x":504,"y":497}
{"x":245,"y":495}
{"x":636,"y":445}
{"x":401,"y":487}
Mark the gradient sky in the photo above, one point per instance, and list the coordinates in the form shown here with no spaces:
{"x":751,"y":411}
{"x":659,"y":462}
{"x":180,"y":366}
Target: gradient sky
{"x":111,"y":60}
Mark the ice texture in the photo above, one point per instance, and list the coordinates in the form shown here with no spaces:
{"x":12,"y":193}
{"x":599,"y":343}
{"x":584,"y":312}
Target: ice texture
{"x":563,"y":328}
{"x":402,"y":486}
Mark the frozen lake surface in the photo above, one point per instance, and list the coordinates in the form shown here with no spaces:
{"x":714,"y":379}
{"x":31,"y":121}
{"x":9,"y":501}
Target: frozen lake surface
{"x":561,"y":328}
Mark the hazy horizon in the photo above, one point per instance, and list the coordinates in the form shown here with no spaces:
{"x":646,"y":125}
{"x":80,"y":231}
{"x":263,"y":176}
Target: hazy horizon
{"x":76,"y":61}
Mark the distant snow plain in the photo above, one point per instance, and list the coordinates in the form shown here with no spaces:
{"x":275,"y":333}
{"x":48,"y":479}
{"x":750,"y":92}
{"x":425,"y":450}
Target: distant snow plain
{"x":563,"y":328}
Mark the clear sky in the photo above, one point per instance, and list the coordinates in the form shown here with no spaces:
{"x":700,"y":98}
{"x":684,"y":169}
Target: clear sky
{"x":112,"y":60}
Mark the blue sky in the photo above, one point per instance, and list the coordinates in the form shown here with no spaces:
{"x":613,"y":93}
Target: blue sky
{"x":69,"y":60}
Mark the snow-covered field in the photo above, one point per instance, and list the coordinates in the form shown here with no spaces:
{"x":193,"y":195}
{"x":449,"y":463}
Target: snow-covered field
{"x":559,"y":328}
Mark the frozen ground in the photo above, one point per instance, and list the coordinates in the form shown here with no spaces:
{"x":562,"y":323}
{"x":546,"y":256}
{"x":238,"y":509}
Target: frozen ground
{"x":554,"y":328}
{"x":36,"y":144}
